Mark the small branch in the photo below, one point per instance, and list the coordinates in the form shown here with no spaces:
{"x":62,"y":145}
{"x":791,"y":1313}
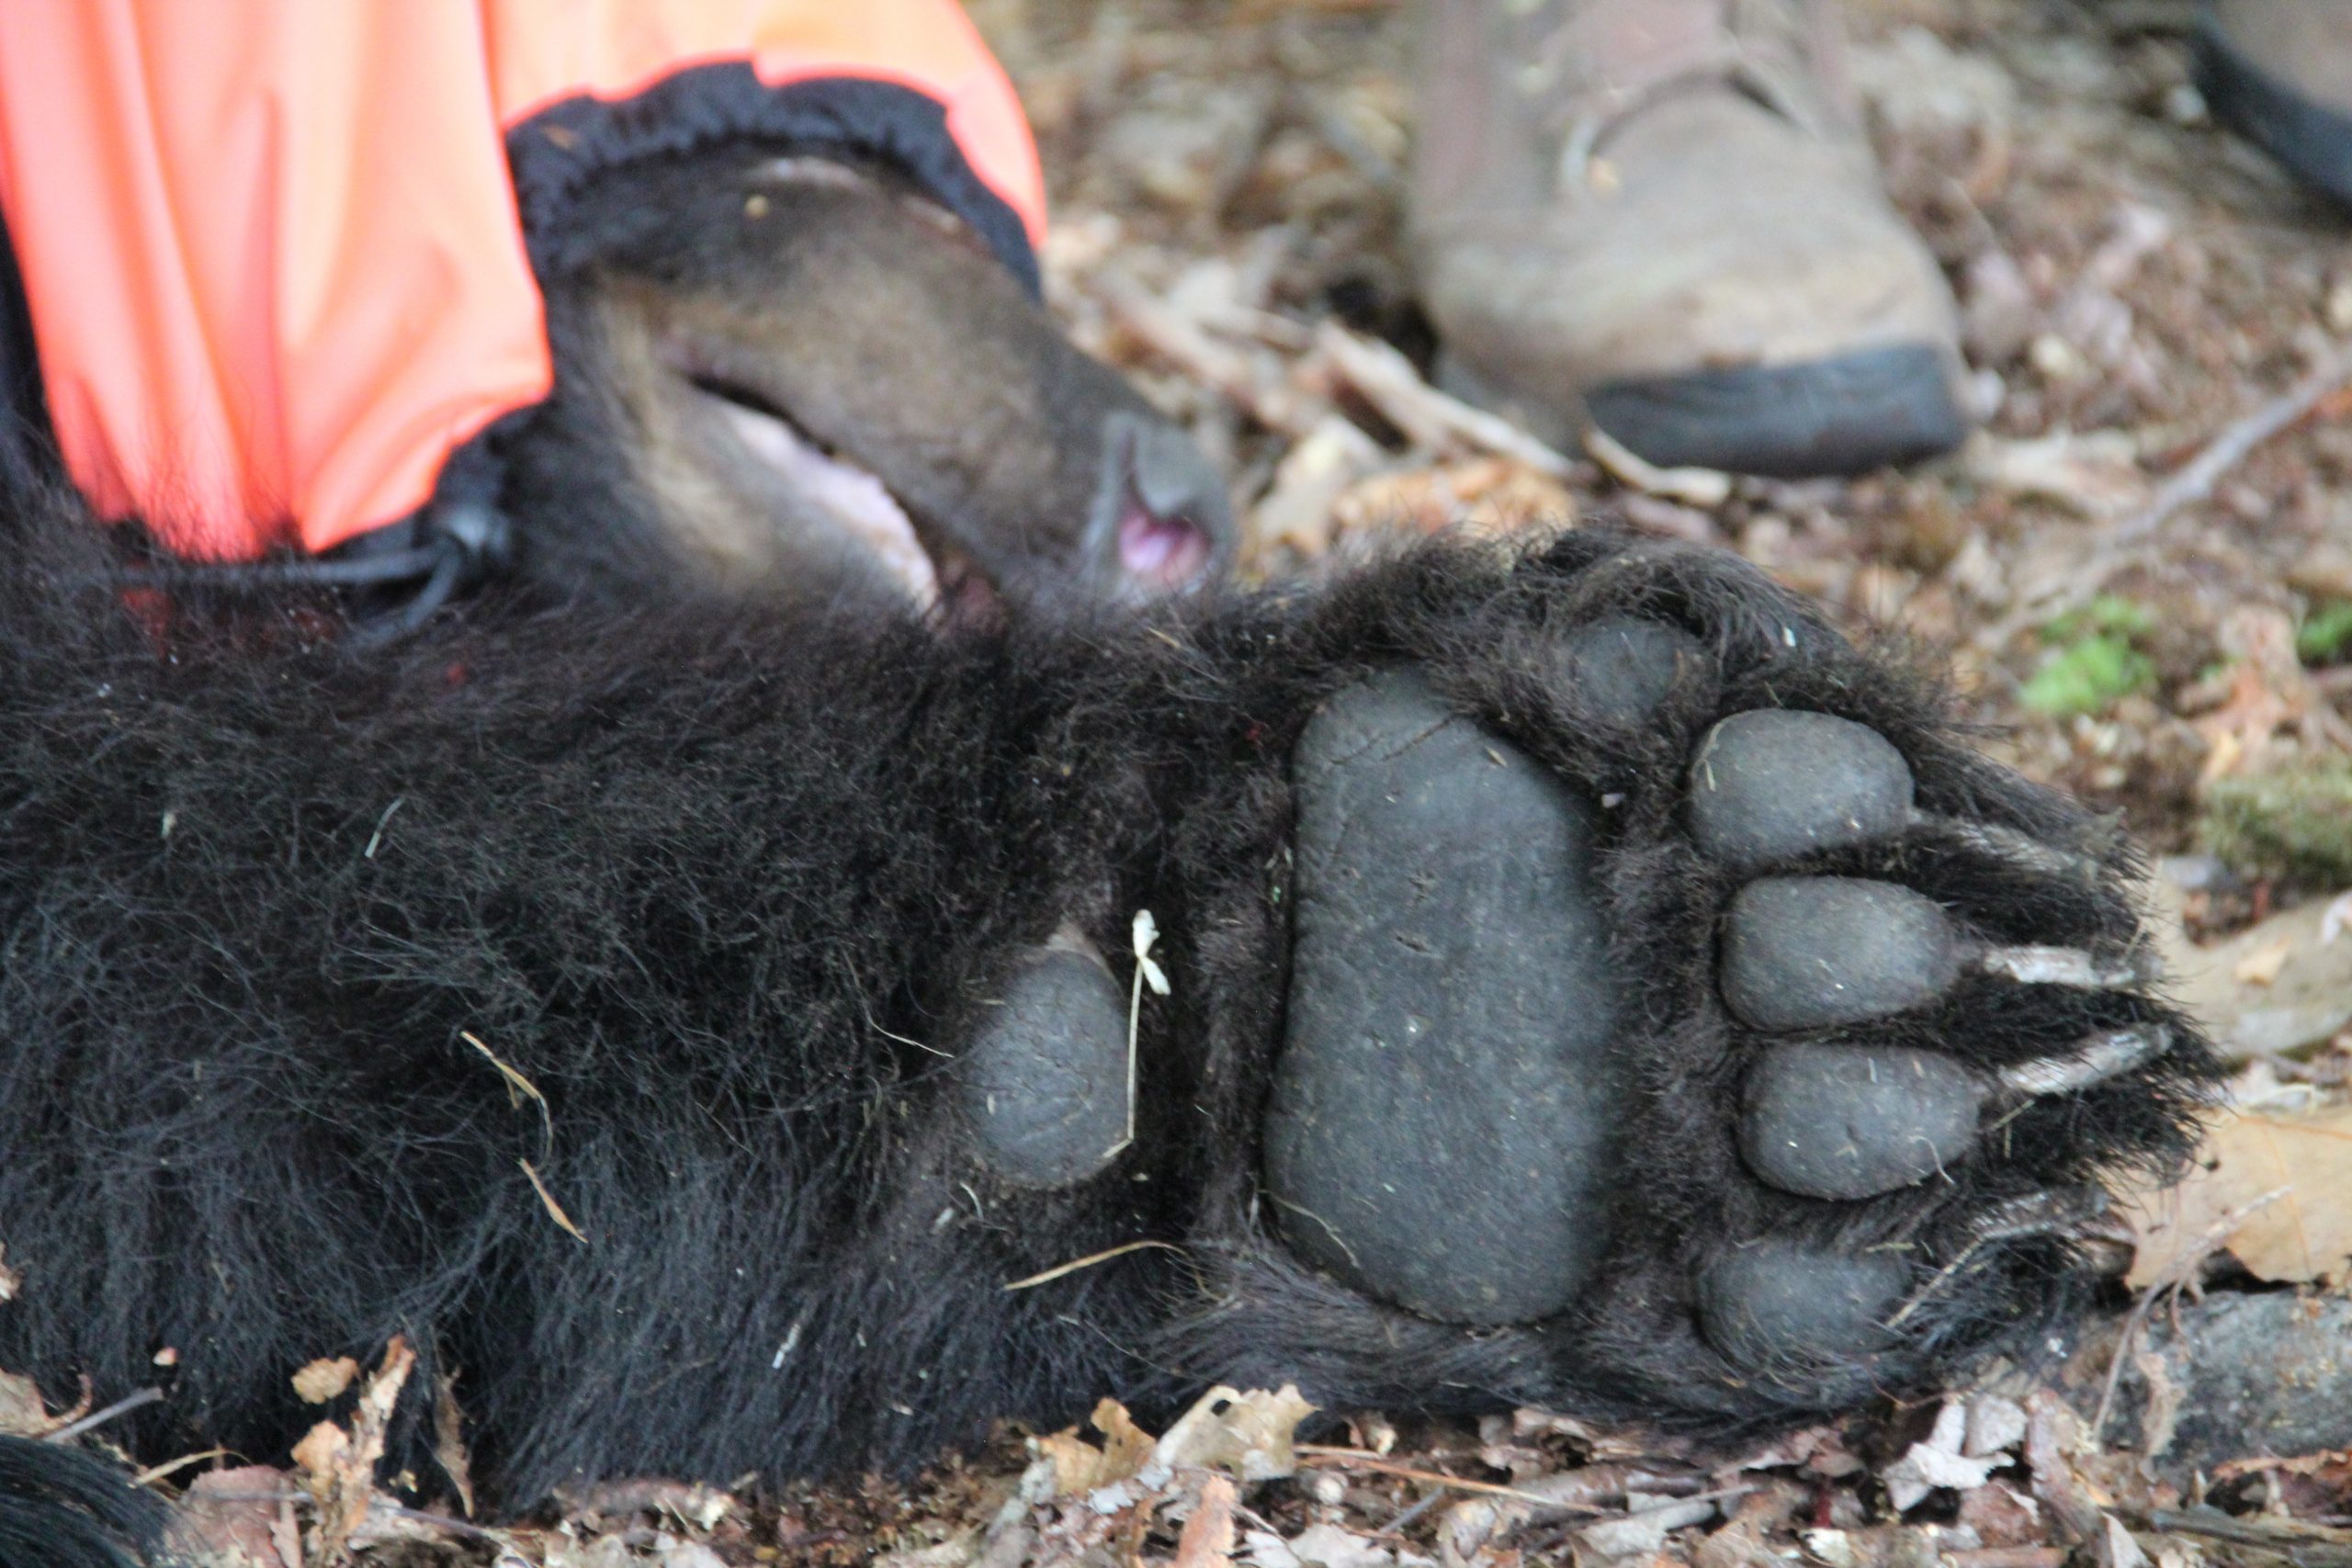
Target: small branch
{"x":1702,"y":488}
{"x":2194,"y":482}
{"x":1192,"y":351}
{"x":1432,"y":419}
{"x":2302,"y":1545}
{"x":2197,"y":478}
{"x":2176,"y":1274}
{"x":97,"y":1418}
{"x":1355,"y":1459}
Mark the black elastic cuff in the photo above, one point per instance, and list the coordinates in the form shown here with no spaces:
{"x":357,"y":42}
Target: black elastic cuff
{"x":557,"y":151}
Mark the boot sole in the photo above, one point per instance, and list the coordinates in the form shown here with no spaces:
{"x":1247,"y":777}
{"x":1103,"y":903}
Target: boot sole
{"x":2312,"y":141}
{"x":1845,"y":414}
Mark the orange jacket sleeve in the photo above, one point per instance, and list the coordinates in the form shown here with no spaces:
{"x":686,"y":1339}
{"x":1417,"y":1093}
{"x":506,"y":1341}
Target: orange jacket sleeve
{"x":271,"y":249}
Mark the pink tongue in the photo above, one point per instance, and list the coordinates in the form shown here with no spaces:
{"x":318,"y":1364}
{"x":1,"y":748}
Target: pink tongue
{"x":1160,"y":552}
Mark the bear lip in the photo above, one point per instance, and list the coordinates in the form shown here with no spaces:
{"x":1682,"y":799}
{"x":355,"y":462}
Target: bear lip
{"x":856,"y":500}
{"x":938,"y":576}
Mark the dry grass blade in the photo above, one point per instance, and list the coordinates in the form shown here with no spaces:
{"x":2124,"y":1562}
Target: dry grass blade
{"x":554,"y":1209}
{"x":518,"y":1087}
{"x":1089,"y":1261}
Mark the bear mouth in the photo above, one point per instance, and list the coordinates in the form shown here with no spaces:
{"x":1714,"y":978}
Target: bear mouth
{"x":872,"y":524}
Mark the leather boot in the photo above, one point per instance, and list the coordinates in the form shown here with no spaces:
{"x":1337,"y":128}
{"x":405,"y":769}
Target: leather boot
{"x":1662,"y":216}
{"x":2279,"y":73}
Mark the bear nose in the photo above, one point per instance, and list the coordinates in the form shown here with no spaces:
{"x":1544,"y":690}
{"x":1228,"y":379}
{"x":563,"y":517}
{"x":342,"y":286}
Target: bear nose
{"x":1162,"y":521}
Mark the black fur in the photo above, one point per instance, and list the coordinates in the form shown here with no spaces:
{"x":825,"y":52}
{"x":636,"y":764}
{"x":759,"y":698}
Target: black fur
{"x":726,"y":887}
{"x":65,"y":1507}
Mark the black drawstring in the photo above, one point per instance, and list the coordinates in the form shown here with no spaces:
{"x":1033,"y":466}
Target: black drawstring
{"x":457,"y":541}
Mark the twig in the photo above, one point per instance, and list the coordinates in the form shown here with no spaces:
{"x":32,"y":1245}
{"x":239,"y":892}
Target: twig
{"x":1428,"y":417}
{"x":2196,"y":479}
{"x":1192,"y":351}
{"x":2305,"y":1546}
{"x":2176,"y":1274}
{"x":1356,"y":1459}
{"x":1704,"y":487}
{"x":97,"y":1418}
{"x":2194,"y":482}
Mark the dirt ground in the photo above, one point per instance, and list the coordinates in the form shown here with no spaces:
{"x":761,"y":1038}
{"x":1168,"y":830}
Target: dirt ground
{"x":2144,"y":588}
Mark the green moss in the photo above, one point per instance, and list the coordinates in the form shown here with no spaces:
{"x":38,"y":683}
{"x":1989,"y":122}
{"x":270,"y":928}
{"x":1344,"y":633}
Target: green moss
{"x":2294,"y":822}
{"x":2109,"y":613}
{"x":2091,"y":658}
{"x":2325,"y":635}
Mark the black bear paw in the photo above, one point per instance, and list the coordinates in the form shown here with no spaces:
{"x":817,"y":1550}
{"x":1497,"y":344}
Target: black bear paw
{"x":1701,"y":1008}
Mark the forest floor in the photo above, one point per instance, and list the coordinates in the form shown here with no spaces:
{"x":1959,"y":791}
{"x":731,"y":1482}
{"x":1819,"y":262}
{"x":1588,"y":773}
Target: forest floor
{"x":2140,"y":570}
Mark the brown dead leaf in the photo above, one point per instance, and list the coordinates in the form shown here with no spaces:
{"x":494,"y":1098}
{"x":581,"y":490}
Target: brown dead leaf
{"x":1207,"y":1541}
{"x":242,"y":1519}
{"x":2001,"y":1516}
{"x":1079,"y":1467}
{"x":22,"y":1413}
{"x":2261,"y":966}
{"x":324,"y":1457}
{"x":2332,"y":1468}
{"x":1489,"y":496}
{"x":1247,"y":1435}
{"x":2305,"y":1235}
{"x":2266,"y":691}
{"x":339,"y":1467}
{"x":2307,"y":997}
{"x":449,"y":1440}
{"x":322,"y":1381}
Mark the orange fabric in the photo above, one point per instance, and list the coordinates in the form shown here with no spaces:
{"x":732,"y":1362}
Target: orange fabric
{"x":271,"y":249}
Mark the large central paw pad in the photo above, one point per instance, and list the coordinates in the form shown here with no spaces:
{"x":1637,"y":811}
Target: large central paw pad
{"x":1500,"y":1099}
{"x":1443,"y":1113}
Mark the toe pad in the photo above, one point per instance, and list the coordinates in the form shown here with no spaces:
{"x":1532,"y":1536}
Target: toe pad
{"x":1779,"y":1306}
{"x":1812,"y":951}
{"x":1621,"y":667}
{"x":1851,"y":1122}
{"x":1045,"y":1079}
{"x":1773,"y":785}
